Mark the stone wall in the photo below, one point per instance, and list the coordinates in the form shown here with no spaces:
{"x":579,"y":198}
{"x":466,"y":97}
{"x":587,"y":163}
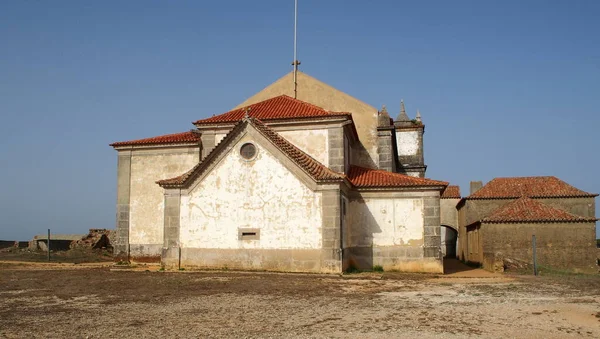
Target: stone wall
{"x":473,"y":210}
{"x":566,"y":246}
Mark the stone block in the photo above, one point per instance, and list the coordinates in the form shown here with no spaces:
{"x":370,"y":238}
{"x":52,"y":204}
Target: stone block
{"x":432,"y":241}
{"x":432,"y":230}
{"x":331,"y":234}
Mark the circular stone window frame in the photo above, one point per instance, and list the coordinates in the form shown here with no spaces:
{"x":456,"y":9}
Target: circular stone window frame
{"x":255,"y":151}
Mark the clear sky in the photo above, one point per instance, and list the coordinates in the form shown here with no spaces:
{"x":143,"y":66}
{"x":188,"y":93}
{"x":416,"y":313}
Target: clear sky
{"x":505,"y":88}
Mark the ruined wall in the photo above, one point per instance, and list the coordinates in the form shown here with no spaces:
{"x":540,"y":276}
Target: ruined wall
{"x":261,"y":196}
{"x":320,"y":94}
{"x":147,"y":198}
{"x":569,"y":246}
{"x":398,"y":231}
{"x":313,"y":142}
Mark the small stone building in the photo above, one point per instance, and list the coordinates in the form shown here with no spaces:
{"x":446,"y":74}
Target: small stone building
{"x":320,"y":183}
{"x":497,"y":222}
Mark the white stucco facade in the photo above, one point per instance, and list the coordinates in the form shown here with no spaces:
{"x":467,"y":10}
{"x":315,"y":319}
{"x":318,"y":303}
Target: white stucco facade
{"x":146,"y":197}
{"x":385,"y":222}
{"x":259,"y":194}
{"x":314,"y":142}
{"x":408,"y":142}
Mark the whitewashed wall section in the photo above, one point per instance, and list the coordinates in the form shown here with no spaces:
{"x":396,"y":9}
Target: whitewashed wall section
{"x":146,"y":197}
{"x":385,"y":222}
{"x":261,"y":193}
{"x":313,"y":142}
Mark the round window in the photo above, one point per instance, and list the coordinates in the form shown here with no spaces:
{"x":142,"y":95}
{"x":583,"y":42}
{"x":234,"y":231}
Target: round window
{"x":248,"y":151}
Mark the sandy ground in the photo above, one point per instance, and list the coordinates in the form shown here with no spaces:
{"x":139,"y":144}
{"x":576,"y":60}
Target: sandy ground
{"x":93,"y":301}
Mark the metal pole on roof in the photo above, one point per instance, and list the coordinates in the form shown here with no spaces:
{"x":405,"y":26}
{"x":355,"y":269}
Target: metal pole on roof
{"x":296,"y":62}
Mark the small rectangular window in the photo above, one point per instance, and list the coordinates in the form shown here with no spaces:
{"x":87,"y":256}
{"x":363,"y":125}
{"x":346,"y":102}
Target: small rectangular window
{"x":248,"y":234}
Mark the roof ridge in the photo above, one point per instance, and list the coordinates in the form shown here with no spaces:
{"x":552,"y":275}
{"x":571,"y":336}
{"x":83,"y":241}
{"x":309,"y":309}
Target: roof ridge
{"x":534,"y":186}
{"x":274,"y":108}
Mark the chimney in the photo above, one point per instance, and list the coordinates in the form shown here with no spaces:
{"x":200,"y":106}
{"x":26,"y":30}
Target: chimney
{"x":476,"y":186}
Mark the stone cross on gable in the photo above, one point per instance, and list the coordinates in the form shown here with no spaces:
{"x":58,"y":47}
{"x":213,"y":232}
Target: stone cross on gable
{"x":247,"y":112}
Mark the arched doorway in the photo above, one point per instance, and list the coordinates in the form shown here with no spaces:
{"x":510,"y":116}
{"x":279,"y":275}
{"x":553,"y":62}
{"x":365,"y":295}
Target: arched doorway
{"x":449,"y":237}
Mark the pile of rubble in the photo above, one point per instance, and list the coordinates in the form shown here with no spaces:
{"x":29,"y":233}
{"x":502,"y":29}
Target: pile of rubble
{"x":97,"y":238}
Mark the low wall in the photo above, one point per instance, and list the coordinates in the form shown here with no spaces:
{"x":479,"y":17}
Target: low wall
{"x":7,"y":243}
{"x":565,"y":246}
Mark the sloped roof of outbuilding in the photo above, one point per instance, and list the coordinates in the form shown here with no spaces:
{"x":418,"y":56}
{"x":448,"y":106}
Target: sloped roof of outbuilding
{"x":527,"y":210}
{"x":279,"y":107}
{"x":533,"y":187}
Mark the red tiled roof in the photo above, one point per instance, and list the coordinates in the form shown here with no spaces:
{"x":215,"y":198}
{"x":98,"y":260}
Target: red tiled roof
{"x":533,"y":187}
{"x":528,"y":210}
{"x":176,"y":138}
{"x":280,"y":107}
{"x":311,"y":166}
{"x":451,"y":192}
{"x":367,"y":177}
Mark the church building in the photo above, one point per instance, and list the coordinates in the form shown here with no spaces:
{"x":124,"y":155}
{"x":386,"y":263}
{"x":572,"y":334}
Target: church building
{"x":299,"y":178}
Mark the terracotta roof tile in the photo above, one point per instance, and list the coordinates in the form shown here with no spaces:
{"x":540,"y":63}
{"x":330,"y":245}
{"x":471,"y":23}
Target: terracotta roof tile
{"x":528,"y":210}
{"x":367,"y":177}
{"x":311,"y":166}
{"x":280,"y":107}
{"x":533,"y":187}
{"x":451,"y":192}
{"x":176,"y":138}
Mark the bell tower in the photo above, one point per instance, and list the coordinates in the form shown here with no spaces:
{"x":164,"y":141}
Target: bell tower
{"x":409,"y":144}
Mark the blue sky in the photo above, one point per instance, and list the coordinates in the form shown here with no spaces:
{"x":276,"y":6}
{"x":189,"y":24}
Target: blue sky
{"x":506,"y":88}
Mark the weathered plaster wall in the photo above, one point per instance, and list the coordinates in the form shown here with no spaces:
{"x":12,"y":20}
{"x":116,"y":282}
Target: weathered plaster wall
{"x":408,"y":142}
{"x":570,"y":246}
{"x":396,"y":231}
{"x":261,"y":193}
{"x":449,"y":213}
{"x":147,"y":198}
{"x":314,"y":142}
{"x":386,"y":222}
{"x":320,"y":94}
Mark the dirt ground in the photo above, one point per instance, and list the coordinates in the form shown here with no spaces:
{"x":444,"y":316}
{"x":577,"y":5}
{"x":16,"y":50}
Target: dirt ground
{"x":96,"y":300}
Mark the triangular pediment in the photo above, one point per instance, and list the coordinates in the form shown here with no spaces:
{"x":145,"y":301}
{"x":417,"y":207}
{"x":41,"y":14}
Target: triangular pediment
{"x":254,"y":132}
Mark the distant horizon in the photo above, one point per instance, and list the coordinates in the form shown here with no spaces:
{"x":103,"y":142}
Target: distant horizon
{"x":504,"y":89}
